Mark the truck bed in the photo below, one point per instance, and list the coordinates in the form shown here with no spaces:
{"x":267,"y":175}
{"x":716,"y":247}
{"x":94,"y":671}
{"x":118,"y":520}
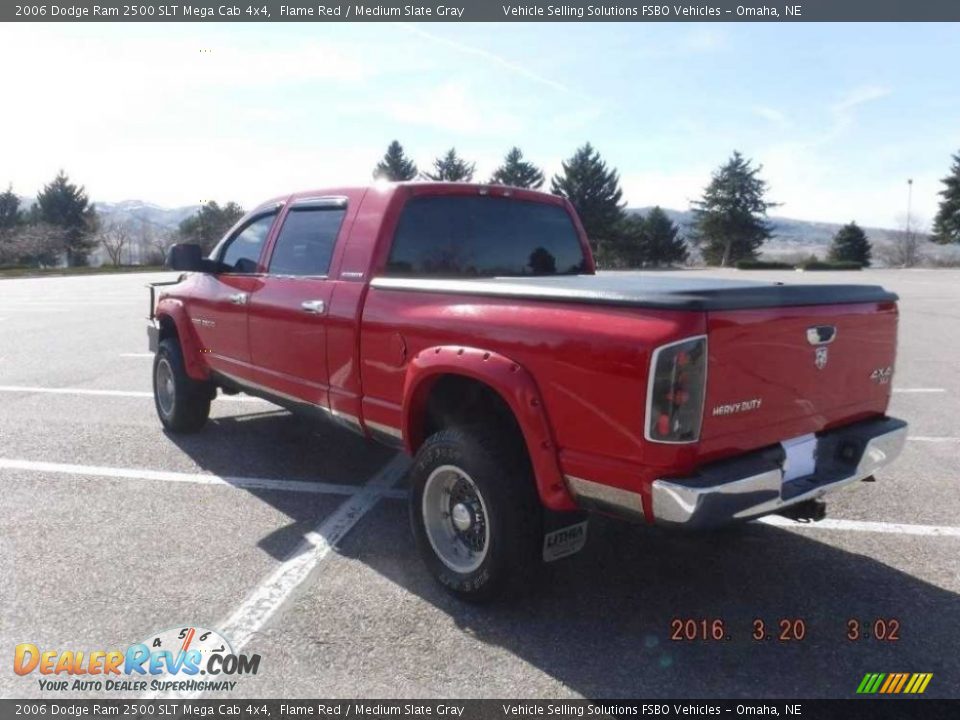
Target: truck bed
{"x":654,"y":290}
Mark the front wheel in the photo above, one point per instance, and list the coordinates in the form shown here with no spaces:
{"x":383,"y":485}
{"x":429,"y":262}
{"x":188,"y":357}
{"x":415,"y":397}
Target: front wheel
{"x":474,"y":512}
{"x":183,"y":404}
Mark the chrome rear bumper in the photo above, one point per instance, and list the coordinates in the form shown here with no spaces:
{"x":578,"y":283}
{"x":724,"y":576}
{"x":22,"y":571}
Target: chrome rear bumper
{"x":753,"y":485}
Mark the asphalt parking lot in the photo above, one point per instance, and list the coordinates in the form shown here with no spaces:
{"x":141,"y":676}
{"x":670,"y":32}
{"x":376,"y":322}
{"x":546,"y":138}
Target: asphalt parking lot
{"x":293,"y":540}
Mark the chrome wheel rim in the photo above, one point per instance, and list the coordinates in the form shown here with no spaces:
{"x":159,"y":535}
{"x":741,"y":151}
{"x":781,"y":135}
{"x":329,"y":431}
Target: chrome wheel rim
{"x":455,"y":519}
{"x":165,"y":388}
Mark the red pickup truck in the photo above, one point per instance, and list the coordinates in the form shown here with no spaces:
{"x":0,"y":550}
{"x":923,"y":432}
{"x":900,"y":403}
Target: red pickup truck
{"x":466,"y":325}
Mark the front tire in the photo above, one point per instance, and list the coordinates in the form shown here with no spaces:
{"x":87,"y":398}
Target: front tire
{"x":474,"y":512}
{"x":183,"y":404}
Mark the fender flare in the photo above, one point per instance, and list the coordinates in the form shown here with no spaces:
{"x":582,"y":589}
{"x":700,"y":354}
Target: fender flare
{"x":514,"y":385}
{"x":172,"y":309}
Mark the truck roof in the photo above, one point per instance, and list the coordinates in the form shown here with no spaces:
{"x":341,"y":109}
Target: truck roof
{"x":417,"y":187}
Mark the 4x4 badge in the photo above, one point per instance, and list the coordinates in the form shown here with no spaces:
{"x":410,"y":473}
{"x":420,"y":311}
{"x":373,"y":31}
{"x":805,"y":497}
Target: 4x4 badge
{"x":821,"y":358}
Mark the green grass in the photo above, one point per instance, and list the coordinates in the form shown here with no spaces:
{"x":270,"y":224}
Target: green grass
{"x":7,"y":271}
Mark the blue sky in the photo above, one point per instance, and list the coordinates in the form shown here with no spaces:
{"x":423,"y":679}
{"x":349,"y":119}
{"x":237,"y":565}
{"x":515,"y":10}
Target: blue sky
{"x":840,"y":115}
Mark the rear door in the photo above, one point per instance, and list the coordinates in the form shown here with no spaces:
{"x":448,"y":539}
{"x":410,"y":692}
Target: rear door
{"x":288,"y":312}
{"x":219,"y":309}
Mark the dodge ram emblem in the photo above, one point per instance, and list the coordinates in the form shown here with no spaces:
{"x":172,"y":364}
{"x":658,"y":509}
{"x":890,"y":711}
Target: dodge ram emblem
{"x":821,"y":358}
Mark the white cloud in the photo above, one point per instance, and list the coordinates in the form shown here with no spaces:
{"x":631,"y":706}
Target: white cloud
{"x":771,"y":114}
{"x":452,"y":107}
{"x":509,"y":65}
{"x":674,"y":188}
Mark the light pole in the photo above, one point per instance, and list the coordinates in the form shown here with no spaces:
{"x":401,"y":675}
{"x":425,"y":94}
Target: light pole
{"x":909,"y":201}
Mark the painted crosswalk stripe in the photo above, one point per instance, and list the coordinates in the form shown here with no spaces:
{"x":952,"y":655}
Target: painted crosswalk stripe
{"x":245,"y":483}
{"x":301,"y":564}
{"x":108,"y":393}
{"x":864,"y":526}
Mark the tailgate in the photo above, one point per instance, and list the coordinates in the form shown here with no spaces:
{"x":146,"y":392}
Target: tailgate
{"x":779,"y":373}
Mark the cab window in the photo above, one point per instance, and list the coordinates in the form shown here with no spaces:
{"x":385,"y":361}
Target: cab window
{"x":241,"y":254}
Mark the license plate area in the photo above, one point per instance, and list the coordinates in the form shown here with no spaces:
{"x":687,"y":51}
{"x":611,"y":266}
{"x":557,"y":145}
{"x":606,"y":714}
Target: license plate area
{"x":801,"y":457}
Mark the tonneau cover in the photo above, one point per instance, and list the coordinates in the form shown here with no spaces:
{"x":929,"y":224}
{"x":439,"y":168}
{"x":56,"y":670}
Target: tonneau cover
{"x":653,"y":290}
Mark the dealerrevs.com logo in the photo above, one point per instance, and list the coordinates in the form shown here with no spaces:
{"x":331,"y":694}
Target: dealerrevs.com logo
{"x":187,"y":659}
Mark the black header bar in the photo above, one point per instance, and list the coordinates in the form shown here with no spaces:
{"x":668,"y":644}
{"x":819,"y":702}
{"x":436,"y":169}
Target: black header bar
{"x":483,"y":709}
{"x":482,"y":11}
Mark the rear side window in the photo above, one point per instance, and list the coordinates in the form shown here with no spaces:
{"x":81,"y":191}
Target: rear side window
{"x":306,"y":240}
{"x":242,"y":251}
{"x":483,"y":236}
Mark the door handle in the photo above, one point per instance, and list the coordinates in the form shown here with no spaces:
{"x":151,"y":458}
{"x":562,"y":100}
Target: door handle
{"x":316,"y":307}
{"x":239,"y":299}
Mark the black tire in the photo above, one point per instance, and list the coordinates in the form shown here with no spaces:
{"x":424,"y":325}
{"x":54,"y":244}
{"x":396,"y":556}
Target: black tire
{"x":496,"y":466}
{"x":184,"y":404}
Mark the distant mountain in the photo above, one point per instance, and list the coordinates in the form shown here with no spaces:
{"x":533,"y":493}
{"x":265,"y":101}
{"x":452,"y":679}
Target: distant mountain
{"x":793,"y":237}
{"x":135,"y":211}
{"x":139,"y":211}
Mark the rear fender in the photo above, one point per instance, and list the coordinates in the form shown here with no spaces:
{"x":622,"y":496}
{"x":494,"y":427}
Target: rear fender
{"x":172,"y":309}
{"x":513,"y":384}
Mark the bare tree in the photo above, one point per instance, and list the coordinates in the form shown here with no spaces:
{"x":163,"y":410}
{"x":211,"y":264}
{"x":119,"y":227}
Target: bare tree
{"x":35,"y":244}
{"x":906,"y":248}
{"x":114,"y":238}
{"x":158,"y":243}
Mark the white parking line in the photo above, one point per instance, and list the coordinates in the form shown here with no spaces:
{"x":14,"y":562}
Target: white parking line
{"x":246,"y":483}
{"x":934,"y":439}
{"x":110,"y":393}
{"x":863,"y":526}
{"x":299,"y":566}
{"x":919,"y":390}
{"x":137,"y":355}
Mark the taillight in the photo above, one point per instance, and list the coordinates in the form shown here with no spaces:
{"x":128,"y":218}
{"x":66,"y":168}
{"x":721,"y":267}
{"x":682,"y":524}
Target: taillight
{"x":678,"y":378}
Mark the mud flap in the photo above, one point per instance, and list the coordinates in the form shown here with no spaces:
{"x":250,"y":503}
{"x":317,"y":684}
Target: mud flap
{"x":564,"y":535}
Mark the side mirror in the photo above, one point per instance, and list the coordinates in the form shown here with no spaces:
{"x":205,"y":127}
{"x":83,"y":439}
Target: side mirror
{"x":187,"y":257}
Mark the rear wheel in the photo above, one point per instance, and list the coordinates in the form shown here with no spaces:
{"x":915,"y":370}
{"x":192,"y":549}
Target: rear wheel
{"x":474,"y":512}
{"x":183,"y":404}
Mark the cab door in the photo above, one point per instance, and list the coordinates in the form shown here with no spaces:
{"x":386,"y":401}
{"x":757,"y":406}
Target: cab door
{"x":287,"y":313}
{"x":218,"y":311}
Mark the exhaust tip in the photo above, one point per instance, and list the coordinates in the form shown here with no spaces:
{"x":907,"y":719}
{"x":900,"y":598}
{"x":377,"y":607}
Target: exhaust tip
{"x":807,"y":511}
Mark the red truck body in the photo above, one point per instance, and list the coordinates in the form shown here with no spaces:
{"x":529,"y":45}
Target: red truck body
{"x":570,"y":357}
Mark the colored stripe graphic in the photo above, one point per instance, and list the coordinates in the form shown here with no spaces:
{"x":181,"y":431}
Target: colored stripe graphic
{"x":903,"y":681}
{"x":894,"y":683}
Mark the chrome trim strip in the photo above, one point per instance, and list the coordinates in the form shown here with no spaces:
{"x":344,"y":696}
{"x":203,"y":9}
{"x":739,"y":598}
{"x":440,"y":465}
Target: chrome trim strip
{"x":651,"y":372}
{"x":598,"y":496}
{"x":352,"y":420}
{"x":681,"y":504}
{"x":385,"y":429}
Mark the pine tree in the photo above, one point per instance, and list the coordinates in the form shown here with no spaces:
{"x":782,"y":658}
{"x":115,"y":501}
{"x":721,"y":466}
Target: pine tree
{"x":452,"y":168}
{"x":946,"y":225}
{"x":594,"y":190}
{"x":663,"y":246}
{"x":209,"y":223}
{"x":731,"y":217}
{"x":10,"y":214}
{"x":395,"y":166}
{"x":66,"y":206}
{"x":517,"y":172}
{"x":850,"y":244}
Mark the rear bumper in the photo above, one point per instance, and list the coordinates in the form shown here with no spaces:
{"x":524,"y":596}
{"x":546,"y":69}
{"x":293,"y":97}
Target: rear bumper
{"x":753,"y":485}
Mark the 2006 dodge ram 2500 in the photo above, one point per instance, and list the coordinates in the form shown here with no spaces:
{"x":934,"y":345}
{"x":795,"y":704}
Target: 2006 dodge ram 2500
{"x":465,"y":324}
